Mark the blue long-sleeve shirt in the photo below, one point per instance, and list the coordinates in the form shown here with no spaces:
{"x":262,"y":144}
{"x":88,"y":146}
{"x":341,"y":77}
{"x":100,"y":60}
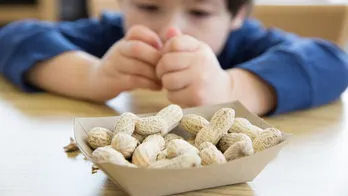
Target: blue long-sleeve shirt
{"x":304,"y":72}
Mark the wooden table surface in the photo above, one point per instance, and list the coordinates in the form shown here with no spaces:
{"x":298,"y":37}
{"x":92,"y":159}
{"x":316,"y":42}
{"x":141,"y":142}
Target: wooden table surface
{"x":34,"y":129}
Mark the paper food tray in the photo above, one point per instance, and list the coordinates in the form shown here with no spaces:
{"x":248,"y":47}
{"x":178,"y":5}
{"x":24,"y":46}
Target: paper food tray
{"x":157,"y":182}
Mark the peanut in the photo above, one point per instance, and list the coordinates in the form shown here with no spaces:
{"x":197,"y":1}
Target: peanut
{"x":191,"y":140}
{"x":171,"y":136}
{"x":218,"y":126}
{"x":162,"y":155}
{"x":188,"y":160}
{"x":242,"y":125}
{"x":238,"y":125}
{"x":139,"y":137}
{"x":267,"y":139}
{"x":148,"y":151}
{"x":230,"y":139}
{"x":275,"y":131}
{"x":157,"y":139}
{"x":205,"y":145}
{"x":210,"y":154}
{"x":238,"y":150}
{"x":193,"y":123}
{"x":126,"y":123}
{"x":99,"y":137}
{"x":151,"y":125}
{"x":107,"y":154}
{"x":172,"y":114}
{"x":178,"y":147}
{"x":124,"y":143}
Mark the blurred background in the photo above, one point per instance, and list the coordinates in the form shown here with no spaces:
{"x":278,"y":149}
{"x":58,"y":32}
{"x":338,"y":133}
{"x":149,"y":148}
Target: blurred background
{"x":326,"y":19}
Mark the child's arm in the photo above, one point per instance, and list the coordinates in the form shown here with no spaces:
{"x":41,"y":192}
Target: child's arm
{"x":255,"y":94}
{"x":67,"y":74}
{"x":68,"y":58}
{"x":303,"y":72}
{"x":268,"y":71}
{"x":26,"y":43}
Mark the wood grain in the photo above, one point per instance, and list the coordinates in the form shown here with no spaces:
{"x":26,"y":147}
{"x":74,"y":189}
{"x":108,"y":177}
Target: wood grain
{"x":36,"y":127}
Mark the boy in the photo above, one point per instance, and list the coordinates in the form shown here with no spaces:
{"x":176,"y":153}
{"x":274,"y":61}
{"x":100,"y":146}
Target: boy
{"x":199,"y":51}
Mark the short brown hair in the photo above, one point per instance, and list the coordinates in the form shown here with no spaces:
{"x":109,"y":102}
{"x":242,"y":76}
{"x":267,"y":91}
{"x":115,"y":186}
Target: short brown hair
{"x":235,"y":5}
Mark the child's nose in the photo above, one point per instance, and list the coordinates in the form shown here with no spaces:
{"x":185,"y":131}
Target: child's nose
{"x":173,"y":27}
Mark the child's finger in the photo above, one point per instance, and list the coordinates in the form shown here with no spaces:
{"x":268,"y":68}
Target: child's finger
{"x":132,"y":82}
{"x":183,"y":43}
{"x":134,"y":67}
{"x":176,"y":81}
{"x":172,"y":62}
{"x":140,"y":51}
{"x":172,"y":32}
{"x":144,"y":34}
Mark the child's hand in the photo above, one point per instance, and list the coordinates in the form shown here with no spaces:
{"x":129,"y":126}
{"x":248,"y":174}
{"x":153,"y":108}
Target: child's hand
{"x":129,"y":64}
{"x":191,"y":73}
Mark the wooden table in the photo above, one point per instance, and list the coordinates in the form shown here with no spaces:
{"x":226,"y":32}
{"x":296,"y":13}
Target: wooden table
{"x":34,"y":129}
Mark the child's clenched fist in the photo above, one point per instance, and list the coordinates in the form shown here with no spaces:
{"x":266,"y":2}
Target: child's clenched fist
{"x":191,"y":73}
{"x":129,"y":64}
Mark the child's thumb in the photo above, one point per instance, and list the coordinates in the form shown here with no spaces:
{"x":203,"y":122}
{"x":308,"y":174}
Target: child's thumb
{"x":172,"y":32}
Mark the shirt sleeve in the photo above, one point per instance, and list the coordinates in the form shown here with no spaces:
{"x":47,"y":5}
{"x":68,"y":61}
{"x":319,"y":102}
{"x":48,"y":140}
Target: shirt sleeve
{"x":304,"y":72}
{"x":25,"y":43}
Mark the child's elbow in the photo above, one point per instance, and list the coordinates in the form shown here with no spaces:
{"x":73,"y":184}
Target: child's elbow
{"x":340,"y":67}
{"x":341,"y":76}
{"x":343,"y":66}
{"x":333,"y":77}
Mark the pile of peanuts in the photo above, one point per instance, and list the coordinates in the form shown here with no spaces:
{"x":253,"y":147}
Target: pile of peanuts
{"x":147,"y":142}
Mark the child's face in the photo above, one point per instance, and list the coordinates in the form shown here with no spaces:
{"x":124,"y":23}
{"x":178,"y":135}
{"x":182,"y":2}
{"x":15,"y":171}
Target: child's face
{"x":206,"y":20}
